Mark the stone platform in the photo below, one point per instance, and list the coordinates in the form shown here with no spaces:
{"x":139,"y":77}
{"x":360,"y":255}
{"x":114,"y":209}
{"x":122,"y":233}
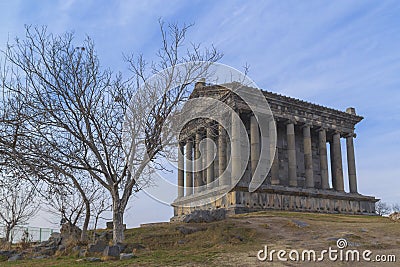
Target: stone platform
{"x":239,"y":200}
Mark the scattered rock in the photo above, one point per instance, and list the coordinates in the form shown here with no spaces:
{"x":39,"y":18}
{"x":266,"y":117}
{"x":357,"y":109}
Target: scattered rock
{"x":99,"y":246}
{"x":199,"y":216}
{"x":106,"y":236}
{"x":363,"y":230}
{"x":181,"y":242}
{"x":7,"y":253}
{"x":56,"y":237}
{"x":49,"y":251}
{"x":111,"y":251}
{"x":89,"y":259}
{"x":82,"y":252}
{"x":300,"y":224}
{"x":126,"y":256}
{"x":121,"y":247}
{"x":69,"y":232}
{"x":92,"y":259}
{"x":395,"y":216}
{"x":40,"y":257}
{"x":15,"y":257}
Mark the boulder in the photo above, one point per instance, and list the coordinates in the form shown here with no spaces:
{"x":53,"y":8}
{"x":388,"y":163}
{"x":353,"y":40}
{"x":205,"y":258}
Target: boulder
{"x":98,"y":246}
{"x":121,"y":246}
{"x":200,"y":216}
{"x":125,"y":256}
{"x":111,"y":251}
{"x":70,"y":233}
{"x":7,"y":253}
{"x":15,"y":257}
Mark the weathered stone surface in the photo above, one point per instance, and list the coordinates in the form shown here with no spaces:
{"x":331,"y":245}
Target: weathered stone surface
{"x":122,"y":247}
{"x":92,"y":259}
{"x":126,"y":256}
{"x":99,"y":246}
{"x":40,"y":257}
{"x":199,"y":216}
{"x":82,"y":252}
{"x":69,"y":232}
{"x":111,"y":251}
{"x":7,"y":253}
{"x":15,"y":257}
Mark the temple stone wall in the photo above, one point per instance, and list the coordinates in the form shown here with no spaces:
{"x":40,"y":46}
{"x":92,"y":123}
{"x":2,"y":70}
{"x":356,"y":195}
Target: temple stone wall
{"x":241,"y":201}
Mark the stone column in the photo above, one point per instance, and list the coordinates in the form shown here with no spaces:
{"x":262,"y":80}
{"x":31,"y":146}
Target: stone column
{"x":337,"y":167}
{"x":235,"y":148}
{"x":189,"y":167}
{"x":323,"y":159}
{"x":275,"y":156}
{"x":222,"y":156}
{"x":180,"y":170}
{"x":291,"y":154}
{"x":198,"y":172}
{"x":351,"y":163}
{"x":210,"y":156}
{"x":255,"y":144}
{"x":204,"y":157}
{"x":308,"y":162}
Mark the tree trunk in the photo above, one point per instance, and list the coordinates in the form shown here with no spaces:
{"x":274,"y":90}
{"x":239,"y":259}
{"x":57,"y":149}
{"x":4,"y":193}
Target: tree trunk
{"x":118,"y":221}
{"x":8,"y":234}
{"x":84,"y":236}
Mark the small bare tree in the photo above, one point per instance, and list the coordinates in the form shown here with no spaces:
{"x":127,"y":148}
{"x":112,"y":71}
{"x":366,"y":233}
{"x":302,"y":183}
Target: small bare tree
{"x":101,"y":204}
{"x":72,"y":112}
{"x":18,"y":203}
{"x":396,"y":207}
{"x":382,"y":208}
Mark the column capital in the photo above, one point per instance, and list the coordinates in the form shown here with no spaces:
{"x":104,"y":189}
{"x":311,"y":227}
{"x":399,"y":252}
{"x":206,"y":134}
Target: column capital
{"x":290,"y":121}
{"x":321,"y":128}
{"x":353,"y":134}
{"x":306,"y":124}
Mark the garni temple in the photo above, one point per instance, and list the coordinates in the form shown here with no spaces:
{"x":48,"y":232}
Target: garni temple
{"x":303,"y":169}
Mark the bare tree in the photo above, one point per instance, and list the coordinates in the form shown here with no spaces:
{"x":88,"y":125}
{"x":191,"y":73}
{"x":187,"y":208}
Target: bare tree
{"x":68,"y":205}
{"x":382,"y":208}
{"x":396,"y":207}
{"x":18,"y":203}
{"x":101,"y":204}
{"x":72,"y":112}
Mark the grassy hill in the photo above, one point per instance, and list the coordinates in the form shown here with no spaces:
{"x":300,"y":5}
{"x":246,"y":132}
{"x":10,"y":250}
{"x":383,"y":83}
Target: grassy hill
{"x":236,"y":241}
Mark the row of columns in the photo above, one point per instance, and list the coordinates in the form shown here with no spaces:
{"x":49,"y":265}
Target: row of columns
{"x":194,"y":177}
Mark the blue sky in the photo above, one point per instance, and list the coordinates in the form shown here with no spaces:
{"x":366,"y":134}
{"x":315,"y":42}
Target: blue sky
{"x":335,"y":53}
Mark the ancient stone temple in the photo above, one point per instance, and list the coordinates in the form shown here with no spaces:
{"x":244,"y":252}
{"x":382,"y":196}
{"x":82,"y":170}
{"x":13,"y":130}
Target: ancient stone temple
{"x":305,"y":172}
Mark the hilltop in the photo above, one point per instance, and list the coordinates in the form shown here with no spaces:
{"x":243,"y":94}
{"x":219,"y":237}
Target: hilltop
{"x":236,"y":240}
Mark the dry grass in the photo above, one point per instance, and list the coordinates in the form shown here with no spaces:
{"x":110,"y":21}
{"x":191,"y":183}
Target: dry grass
{"x":235,"y":241}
